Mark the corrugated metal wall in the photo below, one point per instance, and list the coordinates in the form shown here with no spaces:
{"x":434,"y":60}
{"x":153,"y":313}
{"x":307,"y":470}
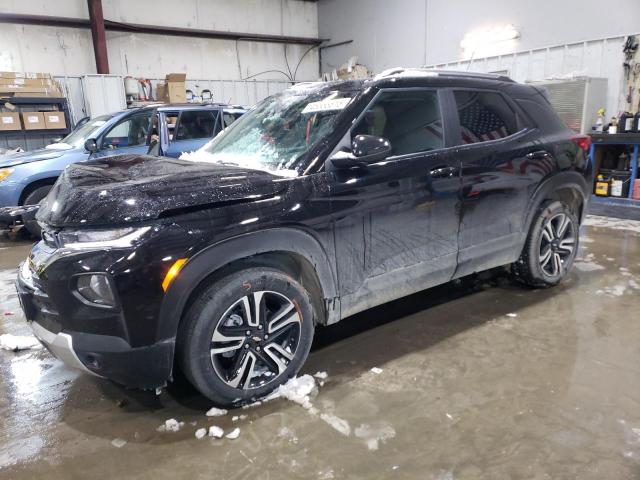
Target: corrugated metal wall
{"x":593,"y":58}
{"x":237,"y":92}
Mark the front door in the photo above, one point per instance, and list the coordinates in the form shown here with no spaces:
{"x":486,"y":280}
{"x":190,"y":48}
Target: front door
{"x":396,"y":221}
{"x":129,"y":136}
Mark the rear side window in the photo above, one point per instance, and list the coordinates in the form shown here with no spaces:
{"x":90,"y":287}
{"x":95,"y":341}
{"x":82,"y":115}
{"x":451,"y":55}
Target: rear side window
{"x":410,"y":120}
{"x":196,"y":124}
{"x":484,"y":116}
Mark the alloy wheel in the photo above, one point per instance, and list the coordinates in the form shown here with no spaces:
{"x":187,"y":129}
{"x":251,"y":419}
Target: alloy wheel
{"x":557,"y":244}
{"x":255,"y":340}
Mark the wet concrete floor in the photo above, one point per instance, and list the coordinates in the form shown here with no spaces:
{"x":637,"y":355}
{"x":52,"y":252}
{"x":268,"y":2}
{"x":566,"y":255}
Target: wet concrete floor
{"x":479,"y":379}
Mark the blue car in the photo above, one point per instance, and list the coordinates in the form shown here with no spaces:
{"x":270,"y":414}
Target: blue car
{"x":166,"y":130}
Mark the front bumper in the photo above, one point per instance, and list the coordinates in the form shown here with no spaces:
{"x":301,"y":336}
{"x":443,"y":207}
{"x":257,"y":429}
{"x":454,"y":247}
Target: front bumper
{"x":112,"y":357}
{"x":60,"y":345}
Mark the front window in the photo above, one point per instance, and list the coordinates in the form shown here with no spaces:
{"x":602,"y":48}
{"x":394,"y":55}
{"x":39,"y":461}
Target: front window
{"x":79,"y":136}
{"x":278,"y":131}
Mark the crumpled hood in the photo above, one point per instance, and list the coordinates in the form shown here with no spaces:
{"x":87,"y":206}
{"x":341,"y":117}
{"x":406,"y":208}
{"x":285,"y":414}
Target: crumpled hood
{"x":32,"y":156}
{"x":132,"y":188}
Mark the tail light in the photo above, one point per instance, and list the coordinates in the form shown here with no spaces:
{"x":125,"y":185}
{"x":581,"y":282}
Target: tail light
{"x":583,"y":141}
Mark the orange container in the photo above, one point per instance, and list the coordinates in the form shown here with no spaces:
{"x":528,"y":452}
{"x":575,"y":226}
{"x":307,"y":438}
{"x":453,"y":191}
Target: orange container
{"x":636,"y":189}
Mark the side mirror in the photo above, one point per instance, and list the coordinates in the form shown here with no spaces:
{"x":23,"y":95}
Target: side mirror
{"x":91,"y":145}
{"x":365,"y":149}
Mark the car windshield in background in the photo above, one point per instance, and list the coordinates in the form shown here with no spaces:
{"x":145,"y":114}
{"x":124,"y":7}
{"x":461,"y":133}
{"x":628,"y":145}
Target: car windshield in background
{"x":79,"y":136}
{"x":278,"y":131}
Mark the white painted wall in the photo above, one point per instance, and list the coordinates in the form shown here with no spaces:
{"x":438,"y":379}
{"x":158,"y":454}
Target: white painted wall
{"x":66,"y":51}
{"x":422,"y":32}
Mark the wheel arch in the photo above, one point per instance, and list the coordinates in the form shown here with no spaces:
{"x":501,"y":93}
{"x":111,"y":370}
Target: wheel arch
{"x":291,"y":249}
{"x":568,"y":187}
{"x":34,"y":185}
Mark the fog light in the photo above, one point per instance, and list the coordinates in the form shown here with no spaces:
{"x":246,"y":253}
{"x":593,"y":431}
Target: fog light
{"x":96,"y":288}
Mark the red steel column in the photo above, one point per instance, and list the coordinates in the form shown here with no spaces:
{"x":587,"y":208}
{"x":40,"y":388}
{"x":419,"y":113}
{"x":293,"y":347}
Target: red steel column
{"x":97,"y":32}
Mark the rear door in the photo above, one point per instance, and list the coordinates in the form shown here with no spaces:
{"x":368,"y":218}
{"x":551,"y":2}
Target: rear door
{"x":192,"y":130}
{"x":397,"y":220}
{"x":502,"y":161}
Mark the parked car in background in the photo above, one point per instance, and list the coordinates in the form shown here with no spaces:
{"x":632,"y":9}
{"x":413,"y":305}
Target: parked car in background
{"x":26,"y":178}
{"x":321,"y":202}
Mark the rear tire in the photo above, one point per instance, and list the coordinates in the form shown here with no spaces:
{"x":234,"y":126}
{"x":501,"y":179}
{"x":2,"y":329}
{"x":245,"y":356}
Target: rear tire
{"x":550,"y":248}
{"x":245,"y":335}
{"x":29,"y":219}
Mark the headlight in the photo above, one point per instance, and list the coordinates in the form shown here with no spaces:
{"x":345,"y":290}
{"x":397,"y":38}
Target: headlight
{"x":95,"y":288}
{"x":5,"y":172}
{"x":91,"y":239}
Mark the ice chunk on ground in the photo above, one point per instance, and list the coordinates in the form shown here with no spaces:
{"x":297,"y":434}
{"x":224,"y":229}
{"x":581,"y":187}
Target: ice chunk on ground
{"x":235,"y":418}
{"x":171,"y":425}
{"x":215,"y":431}
{"x":512,"y":315}
{"x":297,"y":390}
{"x":374,"y":434}
{"x":321,"y":375}
{"x":216,"y":412}
{"x":118,"y":442}
{"x":200,"y":433}
{"x":16,"y":343}
{"x":337,"y":423}
{"x":235,"y":433}
{"x":376,"y":370}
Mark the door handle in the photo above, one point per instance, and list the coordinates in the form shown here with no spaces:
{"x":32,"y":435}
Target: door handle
{"x":539,"y":155}
{"x":443,"y":172}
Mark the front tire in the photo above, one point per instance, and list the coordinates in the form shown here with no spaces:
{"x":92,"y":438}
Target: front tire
{"x":29,"y":219}
{"x":245,"y":335}
{"x":550,"y":248}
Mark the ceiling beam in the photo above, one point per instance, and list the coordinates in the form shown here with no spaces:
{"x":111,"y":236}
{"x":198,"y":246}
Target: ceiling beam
{"x":51,"y":21}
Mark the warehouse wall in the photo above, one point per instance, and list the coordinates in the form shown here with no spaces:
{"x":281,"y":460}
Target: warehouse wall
{"x":421,"y":32}
{"x":65,"y":51}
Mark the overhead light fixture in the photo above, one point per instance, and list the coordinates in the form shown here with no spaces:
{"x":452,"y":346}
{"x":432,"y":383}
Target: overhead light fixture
{"x":485,"y":42}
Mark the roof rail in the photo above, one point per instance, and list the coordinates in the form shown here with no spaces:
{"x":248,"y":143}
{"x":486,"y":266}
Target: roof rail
{"x":422,"y":72}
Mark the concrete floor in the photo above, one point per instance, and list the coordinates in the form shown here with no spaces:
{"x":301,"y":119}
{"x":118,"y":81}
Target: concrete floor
{"x":468,"y":390}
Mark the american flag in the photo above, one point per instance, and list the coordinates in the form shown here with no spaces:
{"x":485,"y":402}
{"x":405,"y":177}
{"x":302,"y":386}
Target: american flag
{"x":479,"y":124}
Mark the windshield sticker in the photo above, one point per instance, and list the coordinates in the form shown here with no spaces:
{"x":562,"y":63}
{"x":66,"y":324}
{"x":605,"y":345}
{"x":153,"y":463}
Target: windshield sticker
{"x":326,"y":105}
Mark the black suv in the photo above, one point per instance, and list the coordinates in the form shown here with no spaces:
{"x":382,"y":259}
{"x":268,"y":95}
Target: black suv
{"x":322,"y":201}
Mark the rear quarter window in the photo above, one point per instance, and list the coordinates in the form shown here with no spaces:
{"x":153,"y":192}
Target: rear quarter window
{"x":484,"y":116}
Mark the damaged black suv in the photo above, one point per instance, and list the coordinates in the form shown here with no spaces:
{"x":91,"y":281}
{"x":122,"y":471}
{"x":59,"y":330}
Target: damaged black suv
{"x":322,"y":201}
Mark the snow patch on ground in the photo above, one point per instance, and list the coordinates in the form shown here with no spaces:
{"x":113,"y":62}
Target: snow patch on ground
{"x":215,"y":431}
{"x":613,"y":223}
{"x":16,"y":343}
{"x":200,"y":433}
{"x":235,"y":433}
{"x":374,"y":434}
{"x":216,"y":412}
{"x":376,"y":370}
{"x":587,"y":266}
{"x":616,"y":290}
{"x":171,"y":425}
{"x":633,"y":284}
{"x":337,"y":423}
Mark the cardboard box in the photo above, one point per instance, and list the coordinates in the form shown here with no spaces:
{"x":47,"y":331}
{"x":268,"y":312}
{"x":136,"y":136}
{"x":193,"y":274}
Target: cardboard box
{"x":33,"y":120}
{"x":31,"y":75}
{"x":10,"y":121}
{"x":54,"y":120}
{"x":161,"y":92}
{"x":176,"y":88}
